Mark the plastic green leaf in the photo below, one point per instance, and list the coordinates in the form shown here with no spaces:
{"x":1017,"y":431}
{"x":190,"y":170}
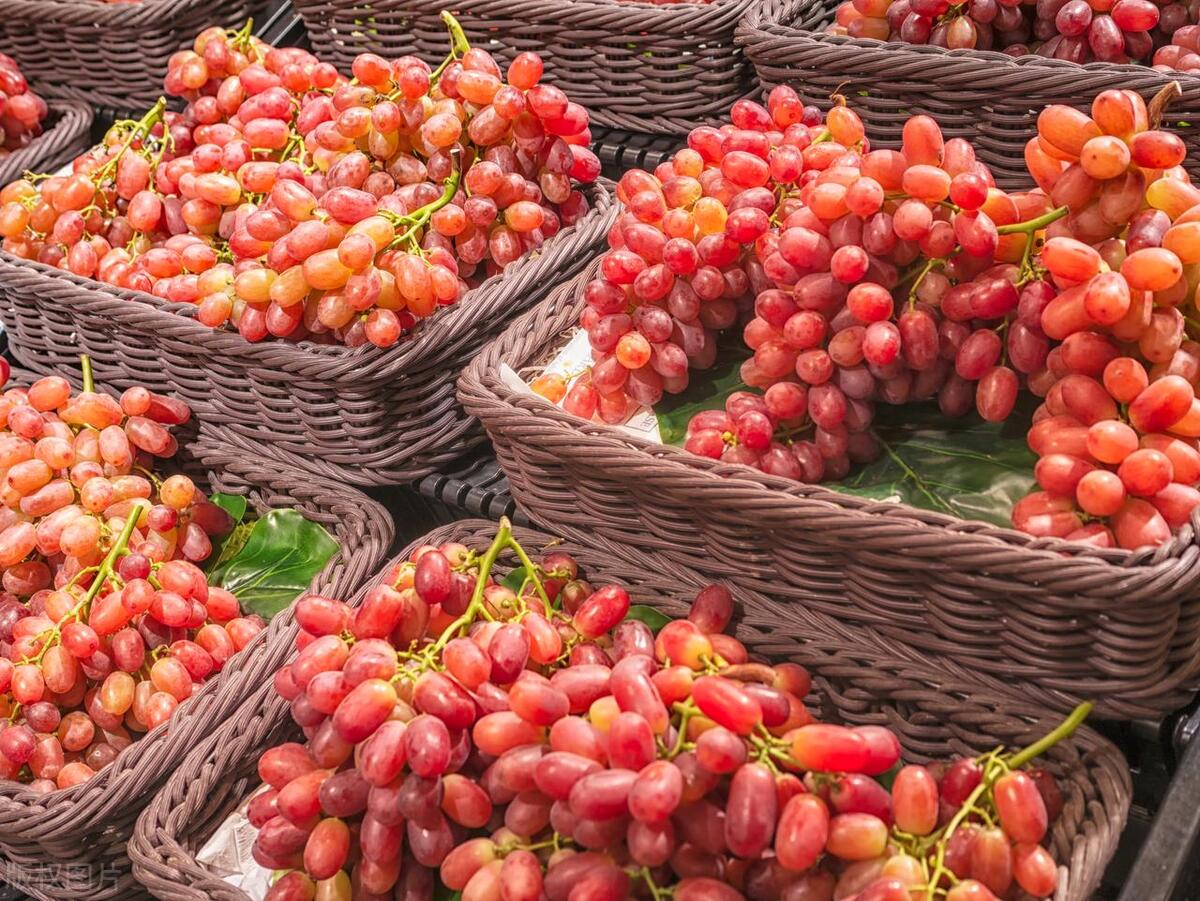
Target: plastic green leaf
{"x":962,"y":467}
{"x":280,"y":557}
{"x":514,"y":580}
{"x":648,"y":615}
{"x":233,"y":504}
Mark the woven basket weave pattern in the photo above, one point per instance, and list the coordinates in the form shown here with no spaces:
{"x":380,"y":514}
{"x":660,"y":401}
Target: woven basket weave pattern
{"x":640,"y":66}
{"x":1119,"y":627}
{"x":107,"y":54}
{"x":857,"y":682}
{"x":72,"y":843}
{"x":362,"y":415}
{"x":67,"y":136}
{"x":989,"y":98}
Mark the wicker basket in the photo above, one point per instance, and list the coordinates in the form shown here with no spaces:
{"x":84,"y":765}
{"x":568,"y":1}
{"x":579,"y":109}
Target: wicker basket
{"x":361,"y":415}
{"x":67,"y":134}
{"x":987,"y":97}
{"x":107,"y":54}
{"x":640,"y":66}
{"x":1063,"y":621}
{"x":70,"y":844}
{"x":857,"y":681}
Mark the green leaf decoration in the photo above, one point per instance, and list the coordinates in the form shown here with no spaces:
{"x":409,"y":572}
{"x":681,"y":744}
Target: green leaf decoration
{"x":886,"y":779}
{"x":279,"y":557}
{"x":648,"y":615}
{"x":706,"y":390}
{"x":228,"y":548}
{"x":514,"y":580}
{"x":233,"y":504}
{"x":962,"y":467}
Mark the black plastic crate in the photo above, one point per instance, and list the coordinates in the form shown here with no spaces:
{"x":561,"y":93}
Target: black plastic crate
{"x":478,"y":487}
{"x":621,"y":150}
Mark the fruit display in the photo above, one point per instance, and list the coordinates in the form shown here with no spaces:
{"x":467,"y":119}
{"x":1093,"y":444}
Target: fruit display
{"x":538,"y":736}
{"x":288,"y":201}
{"x":861,"y":277}
{"x":107,"y":622}
{"x":1077,"y":31}
{"x":21,"y":110}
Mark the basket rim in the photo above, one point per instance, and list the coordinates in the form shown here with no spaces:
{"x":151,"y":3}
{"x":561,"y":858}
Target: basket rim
{"x":437,"y":337}
{"x":714,"y":13}
{"x":72,"y":121}
{"x":1104,"y":768}
{"x":775,"y":20}
{"x":71,"y":13}
{"x":480,"y":385}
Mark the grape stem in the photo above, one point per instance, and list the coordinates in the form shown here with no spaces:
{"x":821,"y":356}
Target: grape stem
{"x":458,"y":45}
{"x":419,"y":218}
{"x":85,"y":366}
{"x":476,"y":608}
{"x":1064,"y":730}
{"x":995,"y":766}
{"x":663,"y":893}
{"x":140,"y":129}
{"x":1033,"y":225}
{"x":686,"y":709}
{"x":1159,"y":102}
{"x":103,"y":573}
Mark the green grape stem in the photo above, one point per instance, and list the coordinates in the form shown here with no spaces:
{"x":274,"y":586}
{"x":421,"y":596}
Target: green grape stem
{"x":1032,"y":225}
{"x":1063,"y":731}
{"x":139,"y":129}
{"x":458,"y":45}
{"x":657,"y":892}
{"x":477,"y":608}
{"x":85,"y":366}
{"x":104,"y":572}
{"x":686,"y":710}
{"x":995,"y":766}
{"x":419,"y":218}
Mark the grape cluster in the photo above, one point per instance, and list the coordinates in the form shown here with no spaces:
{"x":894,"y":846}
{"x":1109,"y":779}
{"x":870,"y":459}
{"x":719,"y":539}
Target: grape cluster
{"x":888,"y":276}
{"x":291,"y":202}
{"x":106,"y":622}
{"x":539,"y":743}
{"x":21,"y":110}
{"x":1183,"y":53}
{"x":1116,"y":435}
{"x":825,"y":234}
{"x":1078,"y":31}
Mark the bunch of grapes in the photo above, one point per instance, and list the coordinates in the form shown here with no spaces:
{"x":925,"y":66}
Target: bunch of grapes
{"x":676,"y":273}
{"x":1183,"y":53}
{"x":886,"y":276}
{"x":1078,"y":31}
{"x":1116,"y":435}
{"x":106,"y":622}
{"x":291,"y":202}
{"x":825,"y":234}
{"x":539,"y":743}
{"x":21,"y":110}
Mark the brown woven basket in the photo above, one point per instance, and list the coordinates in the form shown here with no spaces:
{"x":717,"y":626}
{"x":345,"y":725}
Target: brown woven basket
{"x":107,"y":54}
{"x":70,"y":844}
{"x":858,"y":680}
{"x":646,"y":67}
{"x":68,"y":134}
{"x":362,"y":415}
{"x":1061,"y":622}
{"x":987,"y":97}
